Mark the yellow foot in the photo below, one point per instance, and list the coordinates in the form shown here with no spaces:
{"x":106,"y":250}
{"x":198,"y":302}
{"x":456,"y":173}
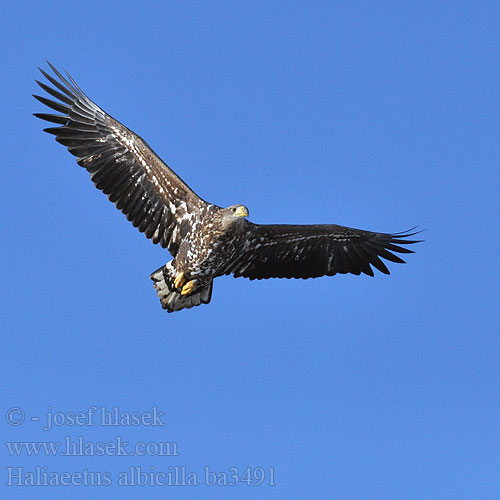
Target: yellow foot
{"x":187,"y":288}
{"x":180,"y":280}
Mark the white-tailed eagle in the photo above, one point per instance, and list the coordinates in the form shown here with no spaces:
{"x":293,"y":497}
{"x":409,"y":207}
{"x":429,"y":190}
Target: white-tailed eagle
{"x":205,"y":240}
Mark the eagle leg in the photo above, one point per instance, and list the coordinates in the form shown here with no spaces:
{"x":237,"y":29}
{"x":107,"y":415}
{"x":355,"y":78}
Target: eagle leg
{"x":188,"y":287}
{"x":180,"y":279}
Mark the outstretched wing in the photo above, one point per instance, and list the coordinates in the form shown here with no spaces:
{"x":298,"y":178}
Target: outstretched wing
{"x":121,"y":164}
{"x":288,"y":251}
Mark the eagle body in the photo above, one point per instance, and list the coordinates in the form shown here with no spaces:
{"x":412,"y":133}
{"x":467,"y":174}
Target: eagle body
{"x":205,"y":240}
{"x":213,"y":242}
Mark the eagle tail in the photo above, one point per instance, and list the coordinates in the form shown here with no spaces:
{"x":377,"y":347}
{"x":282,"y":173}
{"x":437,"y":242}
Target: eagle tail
{"x":170,"y":297}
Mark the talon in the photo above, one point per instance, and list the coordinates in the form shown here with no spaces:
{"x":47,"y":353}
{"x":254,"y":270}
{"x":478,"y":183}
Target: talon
{"x":187,"y":288}
{"x":180,"y":280}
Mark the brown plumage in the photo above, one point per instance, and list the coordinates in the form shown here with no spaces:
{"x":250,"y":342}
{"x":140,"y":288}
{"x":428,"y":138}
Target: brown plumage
{"x":204,"y":239}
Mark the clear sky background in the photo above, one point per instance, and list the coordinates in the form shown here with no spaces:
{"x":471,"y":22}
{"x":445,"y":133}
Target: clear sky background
{"x":376,"y":115}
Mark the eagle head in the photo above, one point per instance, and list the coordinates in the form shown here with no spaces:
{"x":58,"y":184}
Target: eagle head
{"x":234,"y":214}
{"x":237,"y":211}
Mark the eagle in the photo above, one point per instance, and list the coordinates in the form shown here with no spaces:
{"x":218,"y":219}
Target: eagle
{"x":205,"y":240}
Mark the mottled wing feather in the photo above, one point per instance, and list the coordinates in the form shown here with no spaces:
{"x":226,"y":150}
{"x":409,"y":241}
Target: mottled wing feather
{"x":289,"y":251}
{"x":120,"y":164}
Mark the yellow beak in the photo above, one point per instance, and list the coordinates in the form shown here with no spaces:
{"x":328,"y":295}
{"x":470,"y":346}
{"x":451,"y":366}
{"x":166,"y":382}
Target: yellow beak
{"x":241,"y":211}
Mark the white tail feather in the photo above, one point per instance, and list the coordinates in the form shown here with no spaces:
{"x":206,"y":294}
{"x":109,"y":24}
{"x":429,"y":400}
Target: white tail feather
{"x":170,"y":297}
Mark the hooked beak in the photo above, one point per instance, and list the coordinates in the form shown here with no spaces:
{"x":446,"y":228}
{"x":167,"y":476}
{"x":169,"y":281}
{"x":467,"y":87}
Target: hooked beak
{"x":241,"y":211}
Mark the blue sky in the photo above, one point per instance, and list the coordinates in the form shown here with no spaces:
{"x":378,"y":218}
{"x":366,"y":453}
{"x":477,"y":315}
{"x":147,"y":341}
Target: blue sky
{"x":376,"y":115}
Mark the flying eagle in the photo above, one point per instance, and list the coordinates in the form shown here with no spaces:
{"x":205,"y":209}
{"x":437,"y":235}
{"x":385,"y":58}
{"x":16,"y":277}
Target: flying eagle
{"x":205,"y":240}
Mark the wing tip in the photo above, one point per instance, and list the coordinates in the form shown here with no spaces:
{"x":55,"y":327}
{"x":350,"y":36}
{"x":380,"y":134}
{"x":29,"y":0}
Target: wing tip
{"x":407,"y":234}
